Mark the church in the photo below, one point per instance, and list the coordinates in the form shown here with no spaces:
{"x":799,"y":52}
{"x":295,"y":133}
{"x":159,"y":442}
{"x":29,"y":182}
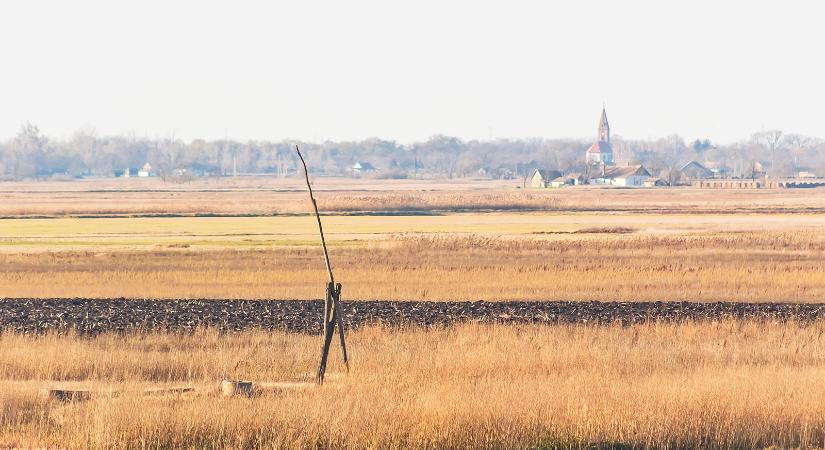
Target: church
{"x":599,"y":158}
{"x":601,"y":152}
{"x":600,"y":168}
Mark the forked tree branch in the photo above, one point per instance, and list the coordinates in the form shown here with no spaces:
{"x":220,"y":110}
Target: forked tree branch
{"x":317,"y":216}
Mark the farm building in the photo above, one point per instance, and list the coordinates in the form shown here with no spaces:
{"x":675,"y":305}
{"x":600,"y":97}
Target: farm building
{"x":630,"y":175}
{"x":695,"y":171}
{"x":541,"y":178}
{"x":362,"y":167}
{"x":572,"y":179}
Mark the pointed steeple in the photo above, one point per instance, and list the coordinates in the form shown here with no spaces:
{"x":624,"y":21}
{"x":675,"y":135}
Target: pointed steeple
{"x":601,"y":152}
{"x":604,"y":127}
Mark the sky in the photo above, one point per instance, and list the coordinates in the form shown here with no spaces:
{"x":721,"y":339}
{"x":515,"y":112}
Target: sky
{"x":315,"y":70}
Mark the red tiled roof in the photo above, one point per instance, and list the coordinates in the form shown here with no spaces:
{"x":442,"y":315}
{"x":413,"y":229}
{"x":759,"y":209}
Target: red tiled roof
{"x":600,"y":147}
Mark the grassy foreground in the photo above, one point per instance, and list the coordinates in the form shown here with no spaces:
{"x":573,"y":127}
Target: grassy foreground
{"x":729,"y":384}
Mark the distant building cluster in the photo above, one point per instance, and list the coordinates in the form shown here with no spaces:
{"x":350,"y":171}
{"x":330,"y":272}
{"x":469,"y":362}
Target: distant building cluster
{"x":601,"y":169}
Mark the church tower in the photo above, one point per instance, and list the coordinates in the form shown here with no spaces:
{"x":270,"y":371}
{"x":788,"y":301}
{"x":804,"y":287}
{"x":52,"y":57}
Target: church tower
{"x":604,"y":128}
{"x":601,"y":152}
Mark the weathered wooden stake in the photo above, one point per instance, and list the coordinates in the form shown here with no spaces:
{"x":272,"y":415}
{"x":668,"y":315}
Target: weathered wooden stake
{"x":340,"y":319}
{"x":332,"y":301}
{"x":65,"y":395}
{"x":231,"y":388}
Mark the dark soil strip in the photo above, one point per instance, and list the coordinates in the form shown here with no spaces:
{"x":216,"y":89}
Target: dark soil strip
{"x":91,"y":316}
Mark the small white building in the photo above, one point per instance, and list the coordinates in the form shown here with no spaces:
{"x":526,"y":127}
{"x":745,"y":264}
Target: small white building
{"x":362,"y":167}
{"x":146,"y":171}
{"x":630,"y":175}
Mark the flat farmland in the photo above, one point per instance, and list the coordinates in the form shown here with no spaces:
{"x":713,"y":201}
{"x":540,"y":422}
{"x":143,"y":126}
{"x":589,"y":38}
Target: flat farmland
{"x":268,"y":196}
{"x":479,"y":315}
{"x":149,"y":233}
{"x":617,"y":245}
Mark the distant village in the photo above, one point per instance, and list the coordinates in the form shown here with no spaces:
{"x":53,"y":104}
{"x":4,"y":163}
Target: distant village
{"x":600,"y":169}
{"x":768,"y":159}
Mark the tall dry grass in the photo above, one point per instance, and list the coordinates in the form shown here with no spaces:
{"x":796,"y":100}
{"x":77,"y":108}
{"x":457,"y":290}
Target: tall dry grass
{"x":746,"y":266}
{"x":732,"y":384}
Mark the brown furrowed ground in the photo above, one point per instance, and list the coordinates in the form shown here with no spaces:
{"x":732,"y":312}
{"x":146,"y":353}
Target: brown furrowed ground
{"x":729,"y":384}
{"x":709,"y":266}
{"x":90,"y":317}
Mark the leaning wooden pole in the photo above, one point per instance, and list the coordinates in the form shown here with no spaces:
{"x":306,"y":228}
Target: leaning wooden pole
{"x":332,"y":300}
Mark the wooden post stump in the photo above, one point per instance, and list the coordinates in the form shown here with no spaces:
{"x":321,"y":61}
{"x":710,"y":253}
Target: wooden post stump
{"x":65,"y":395}
{"x":231,"y":388}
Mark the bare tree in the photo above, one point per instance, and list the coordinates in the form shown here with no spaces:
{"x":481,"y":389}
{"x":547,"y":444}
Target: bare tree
{"x":771,"y":139}
{"x":27,"y":150}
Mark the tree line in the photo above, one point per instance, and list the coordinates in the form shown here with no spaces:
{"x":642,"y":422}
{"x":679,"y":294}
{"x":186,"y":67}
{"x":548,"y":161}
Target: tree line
{"x":32,"y":155}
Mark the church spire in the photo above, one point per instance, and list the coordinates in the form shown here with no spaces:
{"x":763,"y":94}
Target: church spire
{"x":604,"y":127}
{"x":601,"y":152}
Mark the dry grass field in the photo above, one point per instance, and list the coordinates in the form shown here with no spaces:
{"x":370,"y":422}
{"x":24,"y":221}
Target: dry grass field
{"x":710,"y":385}
{"x":727,"y":384}
{"x":744,"y":266}
{"x":578,"y":244}
{"x":470,"y":256}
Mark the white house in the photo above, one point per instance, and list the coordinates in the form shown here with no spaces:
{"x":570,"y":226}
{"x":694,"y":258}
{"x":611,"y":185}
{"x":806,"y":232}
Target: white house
{"x":146,"y":171}
{"x":362,"y":167}
{"x":634,"y":175}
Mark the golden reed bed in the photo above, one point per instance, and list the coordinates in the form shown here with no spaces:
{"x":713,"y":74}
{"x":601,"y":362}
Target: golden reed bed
{"x":723,"y":385}
{"x":742,"y":266}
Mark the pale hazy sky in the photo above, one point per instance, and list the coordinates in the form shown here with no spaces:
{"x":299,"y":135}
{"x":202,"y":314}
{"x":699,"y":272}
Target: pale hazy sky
{"x":407,"y":70}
